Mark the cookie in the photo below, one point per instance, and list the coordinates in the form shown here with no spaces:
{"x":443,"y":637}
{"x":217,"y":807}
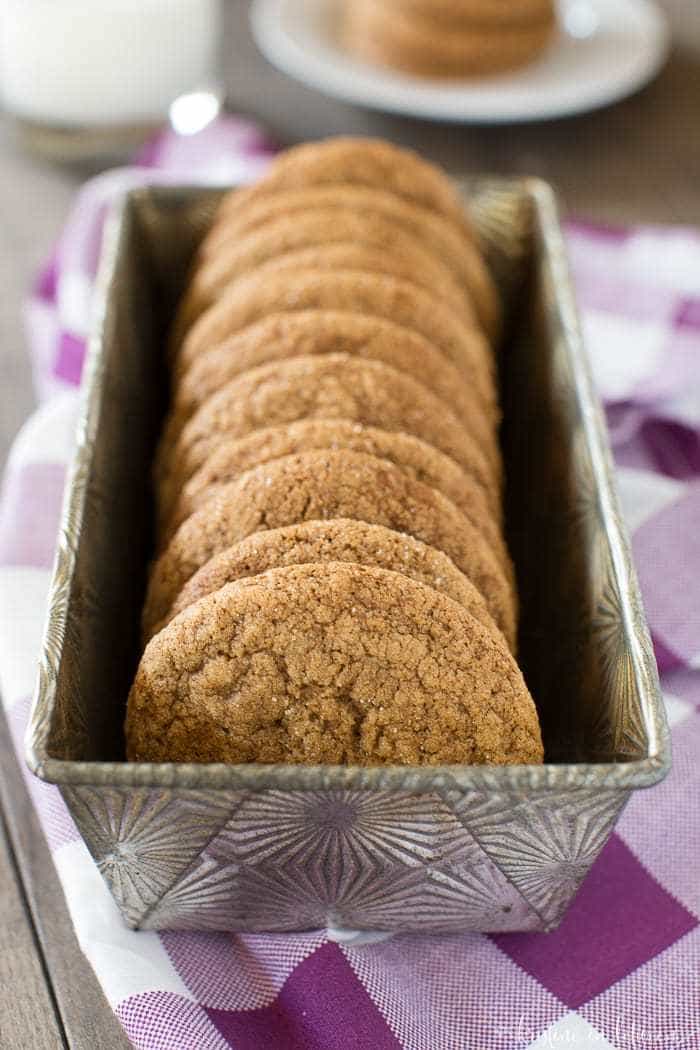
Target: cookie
{"x":340,"y":540}
{"x":435,"y":233}
{"x":324,"y":485}
{"x":333,"y":386}
{"x":416,"y":458}
{"x":386,"y":34}
{"x":330,"y":663}
{"x":421,"y":460}
{"x":322,"y":227}
{"x":361,"y":162}
{"x":491,"y":14}
{"x":316,"y":332}
{"x":253,"y":298}
{"x":348,"y":257}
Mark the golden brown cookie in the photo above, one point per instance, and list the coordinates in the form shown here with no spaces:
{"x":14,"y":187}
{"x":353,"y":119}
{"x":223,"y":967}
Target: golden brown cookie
{"x":330,"y":663}
{"x":324,"y":485}
{"x":253,"y":298}
{"x":387,"y":34}
{"x":322,"y":227}
{"x":481,"y":13}
{"x":421,"y":460}
{"x":333,"y":386}
{"x":305,"y":332}
{"x":437,"y":234}
{"x":364,"y":162}
{"x":340,"y":540}
{"x":416,"y":458}
{"x":361,"y":258}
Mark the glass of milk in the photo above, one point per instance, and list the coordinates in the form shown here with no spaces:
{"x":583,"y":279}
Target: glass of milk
{"x":89,"y":78}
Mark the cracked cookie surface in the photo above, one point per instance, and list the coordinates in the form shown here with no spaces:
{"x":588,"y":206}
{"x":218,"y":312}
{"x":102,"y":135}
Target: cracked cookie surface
{"x":314,"y":333}
{"x":414,"y":457}
{"x":378,"y":295}
{"x":324,"y":485}
{"x":433,"y":232}
{"x":330,"y":663}
{"x":339,"y":540}
{"x":330,"y":386}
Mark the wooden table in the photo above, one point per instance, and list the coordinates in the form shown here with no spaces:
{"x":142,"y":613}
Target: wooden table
{"x":636,"y":162}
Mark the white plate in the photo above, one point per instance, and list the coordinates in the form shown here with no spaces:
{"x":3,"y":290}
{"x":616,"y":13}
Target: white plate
{"x":607,"y":49}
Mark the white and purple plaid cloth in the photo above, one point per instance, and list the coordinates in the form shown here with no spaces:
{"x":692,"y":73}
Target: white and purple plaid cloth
{"x":623,"y":969}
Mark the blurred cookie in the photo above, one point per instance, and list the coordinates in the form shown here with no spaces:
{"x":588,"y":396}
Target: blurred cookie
{"x":481,"y":13}
{"x":365,"y":162}
{"x":438,"y":235}
{"x":390,"y":34}
{"x":339,"y":540}
{"x":330,"y":663}
{"x":324,"y":485}
{"x":362,"y":258}
{"x":321,"y":227}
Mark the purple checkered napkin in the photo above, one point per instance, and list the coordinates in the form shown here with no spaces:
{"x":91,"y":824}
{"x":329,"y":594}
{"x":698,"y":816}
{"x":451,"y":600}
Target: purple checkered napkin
{"x":623,"y":969}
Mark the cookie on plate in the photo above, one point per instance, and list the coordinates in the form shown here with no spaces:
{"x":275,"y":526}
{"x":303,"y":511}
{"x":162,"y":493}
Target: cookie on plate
{"x":483,"y":13}
{"x":414,"y":41}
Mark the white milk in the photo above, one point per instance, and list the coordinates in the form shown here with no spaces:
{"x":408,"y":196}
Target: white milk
{"x":74,"y":63}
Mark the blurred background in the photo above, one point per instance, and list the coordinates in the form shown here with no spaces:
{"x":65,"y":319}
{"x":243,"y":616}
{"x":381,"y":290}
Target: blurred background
{"x":638,"y":160}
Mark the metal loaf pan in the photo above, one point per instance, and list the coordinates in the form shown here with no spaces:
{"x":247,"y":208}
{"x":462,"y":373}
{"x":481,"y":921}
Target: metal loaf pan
{"x":253,"y":847}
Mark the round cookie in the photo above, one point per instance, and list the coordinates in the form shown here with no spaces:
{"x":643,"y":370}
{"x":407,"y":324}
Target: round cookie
{"x":437,"y":234}
{"x":331,"y":386}
{"x":253,"y":298}
{"x":465,"y":485}
{"x":493,"y":14}
{"x":321,"y":227}
{"x":386,"y":34}
{"x":330,"y":663}
{"x":415,"y":458}
{"x":312,"y":332}
{"x":340,"y":540}
{"x":361,"y":258}
{"x":324,"y":485}
{"x":358,"y":161}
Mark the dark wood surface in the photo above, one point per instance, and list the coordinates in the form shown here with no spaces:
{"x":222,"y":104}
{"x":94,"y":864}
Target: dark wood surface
{"x":636,"y":162}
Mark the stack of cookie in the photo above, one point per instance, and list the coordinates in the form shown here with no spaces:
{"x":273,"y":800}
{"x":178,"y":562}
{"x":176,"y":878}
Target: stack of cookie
{"x":449,"y":38}
{"x":332,"y":584}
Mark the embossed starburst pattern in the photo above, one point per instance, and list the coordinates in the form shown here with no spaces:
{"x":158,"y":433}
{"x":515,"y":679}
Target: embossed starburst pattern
{"x":544,"y":845}
{"x":364,"y":860}
{"x":346,"y":858}
{"x":624,"y":726}
{"x":339,"y":828}
{"x":290,"y":848}
{"x":143,"y":840}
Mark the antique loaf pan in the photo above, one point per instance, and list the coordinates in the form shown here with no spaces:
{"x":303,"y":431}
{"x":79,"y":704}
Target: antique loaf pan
{"x":254,"y":847}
